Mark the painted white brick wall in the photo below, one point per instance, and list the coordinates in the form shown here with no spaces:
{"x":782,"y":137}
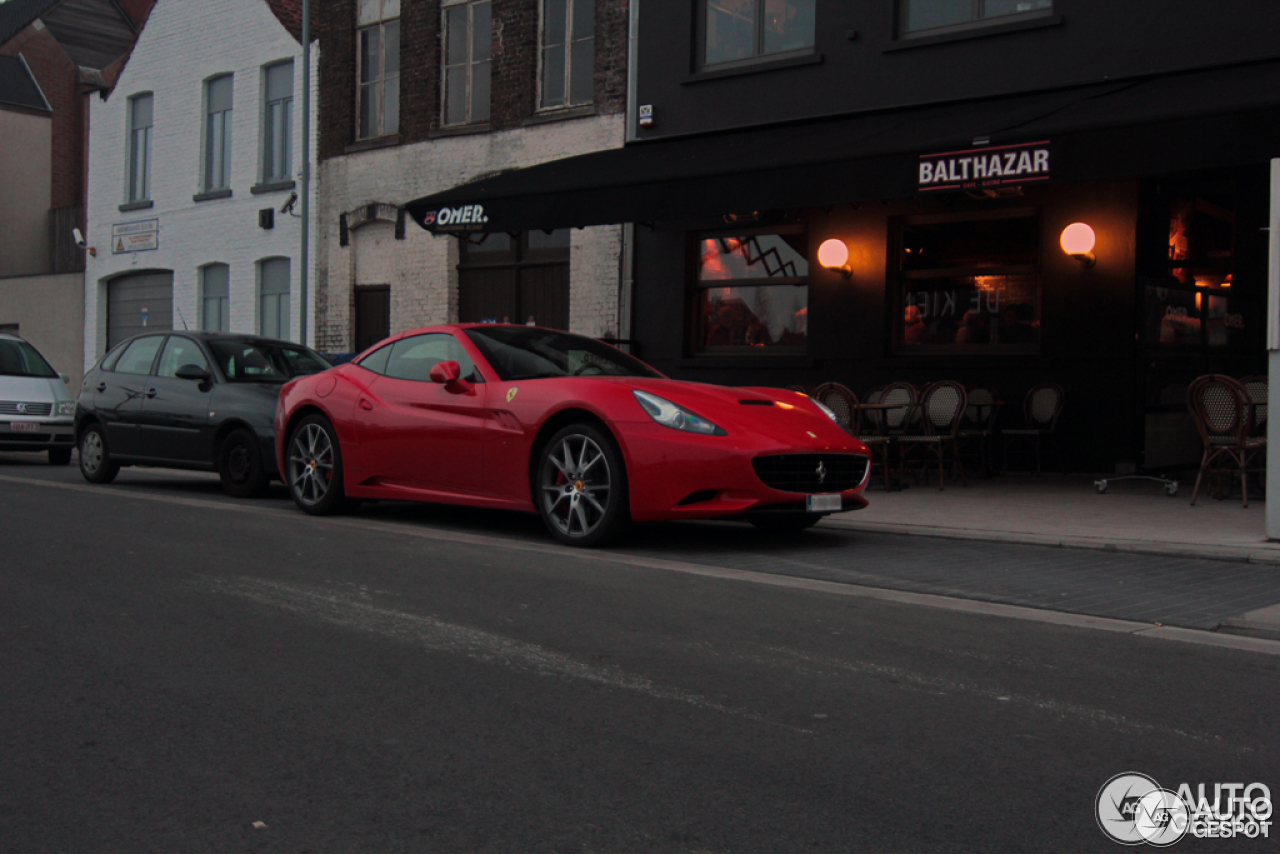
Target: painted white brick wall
{"x":422,"y":268}
{"x":183,"y":44}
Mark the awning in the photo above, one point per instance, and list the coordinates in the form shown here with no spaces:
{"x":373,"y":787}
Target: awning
{"x":863,"y":157}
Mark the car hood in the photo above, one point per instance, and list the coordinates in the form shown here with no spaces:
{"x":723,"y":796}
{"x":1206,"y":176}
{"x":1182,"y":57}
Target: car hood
{"x":33,"y":389}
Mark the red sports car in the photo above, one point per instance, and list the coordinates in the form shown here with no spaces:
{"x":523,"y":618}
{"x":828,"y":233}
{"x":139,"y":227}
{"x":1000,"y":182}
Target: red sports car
{"x":587,"y":436}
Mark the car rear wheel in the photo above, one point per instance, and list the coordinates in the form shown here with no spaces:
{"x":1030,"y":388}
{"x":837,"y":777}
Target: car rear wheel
{"x":582,"y":487}
{"x":240,"y":465}
{"x":313,"y":467}
{"x":59,"y":456}
{"x":95,"y":460}
{"x":784,"y":523}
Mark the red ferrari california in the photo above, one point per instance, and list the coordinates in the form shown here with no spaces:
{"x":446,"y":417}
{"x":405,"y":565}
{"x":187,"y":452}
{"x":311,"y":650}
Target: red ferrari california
{"x":536,"y":420}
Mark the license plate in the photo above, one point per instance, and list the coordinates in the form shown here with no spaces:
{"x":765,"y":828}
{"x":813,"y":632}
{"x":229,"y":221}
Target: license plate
{"x":823,"y":503}
{"x":24,"y":427}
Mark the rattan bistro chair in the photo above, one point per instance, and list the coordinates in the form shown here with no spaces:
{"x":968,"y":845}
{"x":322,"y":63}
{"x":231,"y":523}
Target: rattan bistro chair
{"x":841,"y":401}
{"x":979,"y":425}
{"x":1257,"y":386}
{"x":1040,"y":410}
{"x":1219,"y":407}
{"x":884,"y":427}
{"x":942,"y":406}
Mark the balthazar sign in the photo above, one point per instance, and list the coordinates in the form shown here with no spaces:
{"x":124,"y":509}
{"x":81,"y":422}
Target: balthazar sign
{"x":984,"y":168}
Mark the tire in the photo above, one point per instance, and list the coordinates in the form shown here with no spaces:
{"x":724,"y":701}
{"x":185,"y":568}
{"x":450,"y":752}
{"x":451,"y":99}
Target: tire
{"x":580,"y":487}
{"x":784,"y":523}
{"x":313,"y":467}
{"x":95,"y":459}
{"x":240,"y":465}
{"x":59,"y":456}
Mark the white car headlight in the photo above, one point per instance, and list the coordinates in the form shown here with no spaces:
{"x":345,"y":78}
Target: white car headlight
{"x":67,"y":407}
{"x":668,"y":414}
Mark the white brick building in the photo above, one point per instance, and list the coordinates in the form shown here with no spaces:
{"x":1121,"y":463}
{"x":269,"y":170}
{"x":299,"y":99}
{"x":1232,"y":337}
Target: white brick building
{"x":187,"y":159}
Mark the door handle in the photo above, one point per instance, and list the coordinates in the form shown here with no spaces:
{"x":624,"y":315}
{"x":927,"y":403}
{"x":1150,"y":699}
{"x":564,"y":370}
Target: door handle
{"x":151,"y":392}
{"x":102,"y":386}
{"x":365,"y":405}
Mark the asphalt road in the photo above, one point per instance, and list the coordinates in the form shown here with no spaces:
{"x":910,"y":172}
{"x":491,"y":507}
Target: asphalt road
{"x":184,"y":672}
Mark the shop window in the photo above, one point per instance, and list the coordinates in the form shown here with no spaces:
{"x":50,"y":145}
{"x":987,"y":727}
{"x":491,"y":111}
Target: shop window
{"x":215,"y":298}
{"x":378,"y":93}
{"x":273,"y":298}
{"x":568,"y":53}
{"x":468,"y":46}
{"x":1195,"y":303}
{"x":745,"y":30}
{"x":752,"y":292}
{"x":939,"y":16}
{"x":515,"y":278}
{"x":969,"y":285}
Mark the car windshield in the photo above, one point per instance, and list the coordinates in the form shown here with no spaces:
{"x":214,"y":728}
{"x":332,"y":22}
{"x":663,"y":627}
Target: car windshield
{"x":524,"y":353}
{"x":20,"y":359}
{"x":245,"y":360}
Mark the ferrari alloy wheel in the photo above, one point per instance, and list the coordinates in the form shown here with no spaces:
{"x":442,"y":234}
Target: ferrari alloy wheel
{"x":582,"y":487}
{"x":95,"y":462}
{"x":240,"y":465}
{"x":313,"y":466}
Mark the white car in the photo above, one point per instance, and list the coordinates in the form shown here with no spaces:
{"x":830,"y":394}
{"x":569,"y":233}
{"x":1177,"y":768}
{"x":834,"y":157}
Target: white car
{"x":37,"y":412}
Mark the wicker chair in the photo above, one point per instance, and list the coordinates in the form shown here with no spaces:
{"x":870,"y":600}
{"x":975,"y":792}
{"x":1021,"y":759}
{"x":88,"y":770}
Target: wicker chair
{"x":885,"y":426}
{"x":942,"y":407}
{"x":1257,"y":386}
{"x":1219,"y":407}
{"x":1040,"y":410}
{"x":841,"y":401}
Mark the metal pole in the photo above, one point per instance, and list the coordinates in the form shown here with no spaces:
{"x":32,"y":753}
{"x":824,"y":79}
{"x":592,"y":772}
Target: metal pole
{"x":306,"y":167}
{"x":1273,"y":352}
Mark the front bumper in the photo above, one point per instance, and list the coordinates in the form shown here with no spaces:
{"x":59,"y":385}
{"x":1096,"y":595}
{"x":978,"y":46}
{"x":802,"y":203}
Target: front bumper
{"x":36,"y":434}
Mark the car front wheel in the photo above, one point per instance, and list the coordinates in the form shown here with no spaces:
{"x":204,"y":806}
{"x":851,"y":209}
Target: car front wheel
{"x":95,"y":460}
{"x":240,"y":465}
{"x":313,"y":467}
{"x":582,"y":487}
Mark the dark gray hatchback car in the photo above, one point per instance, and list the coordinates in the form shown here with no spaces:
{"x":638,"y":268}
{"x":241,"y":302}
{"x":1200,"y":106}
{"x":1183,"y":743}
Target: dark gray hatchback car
{"x":193,"y":400}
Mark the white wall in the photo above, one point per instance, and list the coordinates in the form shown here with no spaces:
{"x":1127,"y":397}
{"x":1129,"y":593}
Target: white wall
{"x":182,"y":45}
{"x":422,"y":268}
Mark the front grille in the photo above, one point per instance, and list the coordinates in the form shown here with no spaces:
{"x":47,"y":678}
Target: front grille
{"x":800,"y":472}
{"x":13,"y":407}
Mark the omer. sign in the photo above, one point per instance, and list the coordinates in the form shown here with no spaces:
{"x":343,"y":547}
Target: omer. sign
{"x":459,"y":218}
{"x":984,"y":168}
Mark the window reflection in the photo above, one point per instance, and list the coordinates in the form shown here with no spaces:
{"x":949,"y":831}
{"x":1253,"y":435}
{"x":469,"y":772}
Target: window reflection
{"x":752,"y":291}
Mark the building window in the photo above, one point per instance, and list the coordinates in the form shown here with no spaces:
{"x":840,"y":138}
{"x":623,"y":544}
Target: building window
{"x":277,"y":122}
{"x":568,"y":52}
{"x":969,"y":284}
{"x":738,"y":30}
{"x":140,"y":118}
{"x":217,"y":133}
{"x":522,"y":278}
{"x":468,"y":29}
{"x":273,"y":298}
{"x":921,"y":16}
{"x":752,"y":292}
{"x":215,"y":298}
{"x":379,"y":88}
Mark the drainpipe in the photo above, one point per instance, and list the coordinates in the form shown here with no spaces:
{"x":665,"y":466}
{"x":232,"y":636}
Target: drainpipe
{"x":629,"y":228}
{"x":306,"y":167}
{"x":1273,"y":354}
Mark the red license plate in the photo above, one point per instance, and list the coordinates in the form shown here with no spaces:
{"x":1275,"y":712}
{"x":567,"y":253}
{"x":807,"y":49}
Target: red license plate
{"x":24,"y":427}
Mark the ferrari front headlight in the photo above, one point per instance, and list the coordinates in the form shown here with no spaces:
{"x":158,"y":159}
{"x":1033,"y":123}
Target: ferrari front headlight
{"x":668,"y":414}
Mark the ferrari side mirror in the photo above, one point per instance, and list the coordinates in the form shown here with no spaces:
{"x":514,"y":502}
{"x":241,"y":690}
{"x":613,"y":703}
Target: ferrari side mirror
{"x":449,"y":374}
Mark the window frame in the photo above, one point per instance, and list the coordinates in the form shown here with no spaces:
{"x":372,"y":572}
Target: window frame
{"x":282,"y":298}
{"x":132,"y":194}
{"x":976,"y":21}
{"x":566,"y":47}
{"x":696,"y":335}
{"x":382,"y":78}
{"x":469,"y":64}
{"x":276,"y":153}
{"x":759,"y":55}
{"x":224,"y":302}
{"x":223,"y":145}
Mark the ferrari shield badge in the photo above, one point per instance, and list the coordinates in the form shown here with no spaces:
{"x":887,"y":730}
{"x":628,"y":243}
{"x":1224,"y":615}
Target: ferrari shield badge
{"x":511,"y":393}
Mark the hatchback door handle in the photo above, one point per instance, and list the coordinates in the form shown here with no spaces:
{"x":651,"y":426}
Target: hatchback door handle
{"x":151,"y":392}
{"x":102,"y":386}
{"x":365,"y":405}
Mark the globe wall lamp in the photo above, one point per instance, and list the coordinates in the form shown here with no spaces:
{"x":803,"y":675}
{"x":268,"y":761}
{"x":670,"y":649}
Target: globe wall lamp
{"x":1077,"y":241}
{"x":833,"y":254}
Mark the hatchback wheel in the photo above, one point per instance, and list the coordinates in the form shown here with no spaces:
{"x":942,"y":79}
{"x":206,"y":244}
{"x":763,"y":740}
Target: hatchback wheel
{"x":313,"y":467}
{"x":95,"y":460}
{"x":240,"y":465}
{"x":582,"y":487}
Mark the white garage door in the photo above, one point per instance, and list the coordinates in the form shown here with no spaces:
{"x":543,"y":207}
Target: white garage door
{"x":138,"y":303}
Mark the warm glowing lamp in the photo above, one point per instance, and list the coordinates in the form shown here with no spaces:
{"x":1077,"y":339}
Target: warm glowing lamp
{"x":834,"y":255}
{"x":1077,"y":241}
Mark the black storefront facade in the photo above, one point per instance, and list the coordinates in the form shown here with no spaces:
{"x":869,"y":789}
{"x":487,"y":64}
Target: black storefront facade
{"x":951,"y":218}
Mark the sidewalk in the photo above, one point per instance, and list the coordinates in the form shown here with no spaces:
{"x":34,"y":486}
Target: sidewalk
{"x":1136,"y":517}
